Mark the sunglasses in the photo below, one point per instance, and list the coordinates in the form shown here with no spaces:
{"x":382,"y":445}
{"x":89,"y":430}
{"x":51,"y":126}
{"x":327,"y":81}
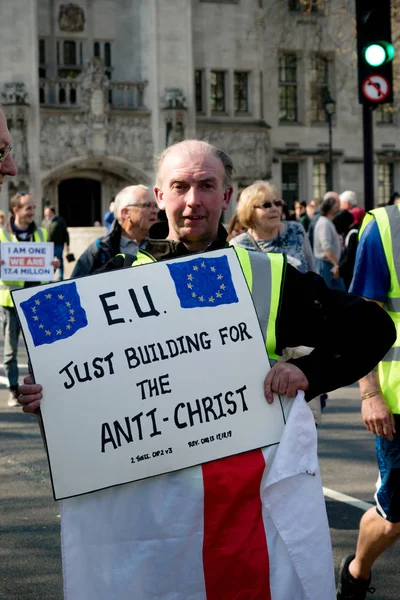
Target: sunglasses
{"x":268,"y":204}
{"x":144,"y":205}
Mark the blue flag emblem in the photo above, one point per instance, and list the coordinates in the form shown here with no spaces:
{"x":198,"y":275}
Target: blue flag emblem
{"x":54,"y":314}
{"x":203,"y":282}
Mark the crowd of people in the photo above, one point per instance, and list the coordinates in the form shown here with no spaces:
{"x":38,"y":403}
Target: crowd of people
{"x":309,"y":258}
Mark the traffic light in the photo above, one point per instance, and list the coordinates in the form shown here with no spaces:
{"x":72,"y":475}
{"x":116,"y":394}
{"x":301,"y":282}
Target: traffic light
{"x":375,"y":52}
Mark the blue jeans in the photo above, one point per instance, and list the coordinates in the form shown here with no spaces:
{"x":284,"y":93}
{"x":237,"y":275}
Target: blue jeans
{"x":324,"y":268}
{"x":58,"y":253}
{"x":11,"y":330}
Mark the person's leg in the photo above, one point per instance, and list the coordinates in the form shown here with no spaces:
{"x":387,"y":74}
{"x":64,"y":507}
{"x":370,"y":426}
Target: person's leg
{"x":11,"y":330}
{"x":375,"y":535}
{"x":58,"y":253}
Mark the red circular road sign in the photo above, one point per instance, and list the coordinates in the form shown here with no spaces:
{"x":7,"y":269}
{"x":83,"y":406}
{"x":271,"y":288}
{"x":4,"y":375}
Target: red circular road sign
{"x":375,"y":88}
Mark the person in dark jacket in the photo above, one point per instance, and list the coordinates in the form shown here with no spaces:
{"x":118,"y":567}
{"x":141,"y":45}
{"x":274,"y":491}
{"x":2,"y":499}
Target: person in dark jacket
{"x":58,"y":234}
{"x":135,"y":211}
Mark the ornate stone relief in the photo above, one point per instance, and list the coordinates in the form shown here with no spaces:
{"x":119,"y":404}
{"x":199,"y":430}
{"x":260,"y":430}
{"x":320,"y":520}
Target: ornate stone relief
{"x":130,"y":138}
{"x":249,"y":149}
{"x":94,"y":91}
{"x":71,"y":18}
{"x":14,"y":93}
{"x":62,"y":137}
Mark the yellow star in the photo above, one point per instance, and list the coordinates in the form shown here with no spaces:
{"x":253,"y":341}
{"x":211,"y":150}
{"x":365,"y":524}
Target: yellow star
{"x":211,"y":299}
{"x":48,"y":296}
{"x":68,"y":304}
{"x":61,"y":297}
{"x":71,"y":310}
{"x":201,"y":298}
{"x":203,"y":264}
{"x":41,"y":326}
{"x":59,"y":331}
{"x":195,"y":268}
{"x":219,"y":295}
{"x":34,"y":309}
{"x":220,"y":276}
{"x":213,"y":269}
{"x":190,"y":277}
{"x":222,"y":286}
{"x":48,"y":332}
{"x":189,"y":286}
{"x":36,"y":318}
{"x":194,"y":294}
{"x":72,"y":319}
{"x":37,"y":302}
{"x":68,"y":326}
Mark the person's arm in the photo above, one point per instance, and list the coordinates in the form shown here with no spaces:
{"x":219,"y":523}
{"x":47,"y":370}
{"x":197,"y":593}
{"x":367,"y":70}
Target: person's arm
{"x":85,"y":265}
{"x":349,"y":335}
{"x":308,"y":253}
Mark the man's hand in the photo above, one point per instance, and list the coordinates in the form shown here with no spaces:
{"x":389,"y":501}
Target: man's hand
{"x":55,"y":263}
{"x":284,"y":379}
{"x":378,"y":417}
{"x":30,"y":395}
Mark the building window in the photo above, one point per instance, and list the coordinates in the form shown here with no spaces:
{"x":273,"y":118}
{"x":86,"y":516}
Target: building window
{"x":320,"y":179}
{"x":241,"y":92}
{"x":385,"y":182}
{"x":217,"y":95}
{"x":290,"y":183}
{"x":306,"y":6}
{"x":198,"y":85}
{"x":384,"y":114}
{"x":42,"y":59}
{"x":103,"y":50}
{"x":288,"y":87}
{"x":69,"y":58}
{"x":319,"y":87}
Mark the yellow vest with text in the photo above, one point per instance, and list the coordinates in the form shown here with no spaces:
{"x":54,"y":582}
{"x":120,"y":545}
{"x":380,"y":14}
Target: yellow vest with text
{"x":264,"y":275}
{"x":39,"y":235}
{"x":388,"y":221}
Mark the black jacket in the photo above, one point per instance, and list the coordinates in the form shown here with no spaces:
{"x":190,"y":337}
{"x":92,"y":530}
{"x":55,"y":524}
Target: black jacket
{"x":349,"y":334}
{"x":98,"y":253}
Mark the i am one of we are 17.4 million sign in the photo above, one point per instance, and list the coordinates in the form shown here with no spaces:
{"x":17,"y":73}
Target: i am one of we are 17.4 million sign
{"x":147,"y":370}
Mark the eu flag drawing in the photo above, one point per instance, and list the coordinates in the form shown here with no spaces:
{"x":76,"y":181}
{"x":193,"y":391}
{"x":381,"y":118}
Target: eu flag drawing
{"x":203,"y":282}
{"x":54,"y":314}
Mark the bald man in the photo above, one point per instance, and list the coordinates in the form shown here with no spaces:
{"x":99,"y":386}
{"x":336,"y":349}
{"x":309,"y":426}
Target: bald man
{"x":135,"y":211}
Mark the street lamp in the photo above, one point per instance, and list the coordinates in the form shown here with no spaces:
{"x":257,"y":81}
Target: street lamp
{"x":329,"y":106}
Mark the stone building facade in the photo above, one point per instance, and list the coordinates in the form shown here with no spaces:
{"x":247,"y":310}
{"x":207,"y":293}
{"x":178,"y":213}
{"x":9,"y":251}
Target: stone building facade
{"x":94,"y":88}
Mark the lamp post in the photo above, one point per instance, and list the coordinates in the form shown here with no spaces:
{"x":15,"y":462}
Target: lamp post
{"x":329,"y":106}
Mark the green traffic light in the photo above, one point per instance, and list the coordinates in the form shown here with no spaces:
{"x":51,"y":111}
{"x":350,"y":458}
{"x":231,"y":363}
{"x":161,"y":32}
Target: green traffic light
{"x":379,"y":53}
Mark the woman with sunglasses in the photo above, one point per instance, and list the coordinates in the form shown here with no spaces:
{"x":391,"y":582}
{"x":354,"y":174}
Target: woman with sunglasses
{"x":260,"y":212}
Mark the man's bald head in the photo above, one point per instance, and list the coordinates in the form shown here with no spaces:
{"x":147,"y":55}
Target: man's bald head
{"x":7,"y":164}
{"x":194,"y":149}
{"x":333,"y":195}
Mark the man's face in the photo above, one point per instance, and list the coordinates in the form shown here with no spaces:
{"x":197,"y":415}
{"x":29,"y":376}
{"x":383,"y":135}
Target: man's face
{"x":7,"y":167}
{"x":193,"y":196}
{"x":142,"y":212}
{"x":25,"y":212}
{"x":48,"y":214}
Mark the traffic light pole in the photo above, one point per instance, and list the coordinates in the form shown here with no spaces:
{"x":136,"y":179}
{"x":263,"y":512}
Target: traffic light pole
{"x":368,"y":147}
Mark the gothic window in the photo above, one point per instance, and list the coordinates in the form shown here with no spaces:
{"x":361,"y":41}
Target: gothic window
{"x":290,"y":182}
{"x":42,"y":58}
{"x":288,"y":87}
{"x":198,"y":85}
{"x":319,"y":86}
{"x":103,"y":50}
{"x":320,"y":179}
{"x":241,"y":92}
{"x":385,"y":182}
{"x":69,"y":58}
{"x":384,"y":114}
{"x":217,"y":96}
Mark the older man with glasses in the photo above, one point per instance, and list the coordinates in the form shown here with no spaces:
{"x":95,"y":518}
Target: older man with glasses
{"x":135,"y":210}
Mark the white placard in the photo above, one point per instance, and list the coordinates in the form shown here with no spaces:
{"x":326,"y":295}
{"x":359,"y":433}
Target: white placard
{"x":27,"y":261}
{"x":148,"y":370}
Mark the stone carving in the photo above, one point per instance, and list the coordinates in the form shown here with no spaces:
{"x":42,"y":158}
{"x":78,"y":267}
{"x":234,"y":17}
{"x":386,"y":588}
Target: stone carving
{"x":130,"y":138}
{"x":175,"y":133}
{"x":63,"y":137}
{"x":94,"y":91}
{"x":19,"y":136}
{"x":249,"y":150}
{"x":173,"y":98}
{"x":71,"y":18}
{"x":14,"y":93}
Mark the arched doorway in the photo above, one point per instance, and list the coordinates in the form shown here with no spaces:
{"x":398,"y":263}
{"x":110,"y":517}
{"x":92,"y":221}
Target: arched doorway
{"x":79,"y":201}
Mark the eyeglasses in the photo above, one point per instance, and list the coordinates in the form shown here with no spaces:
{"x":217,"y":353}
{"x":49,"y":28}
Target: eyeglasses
{"x":268,"y":204}
{"x":144,"y":205}
{"x":4,"y":152}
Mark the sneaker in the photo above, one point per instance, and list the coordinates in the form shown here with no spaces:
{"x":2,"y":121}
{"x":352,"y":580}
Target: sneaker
{"x":350,"y":588}
{"x":12,"y":399}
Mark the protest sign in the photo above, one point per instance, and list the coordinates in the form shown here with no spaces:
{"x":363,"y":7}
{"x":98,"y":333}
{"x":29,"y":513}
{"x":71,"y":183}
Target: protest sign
{"x":147,"y":370}
{"x":27,"y":261}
